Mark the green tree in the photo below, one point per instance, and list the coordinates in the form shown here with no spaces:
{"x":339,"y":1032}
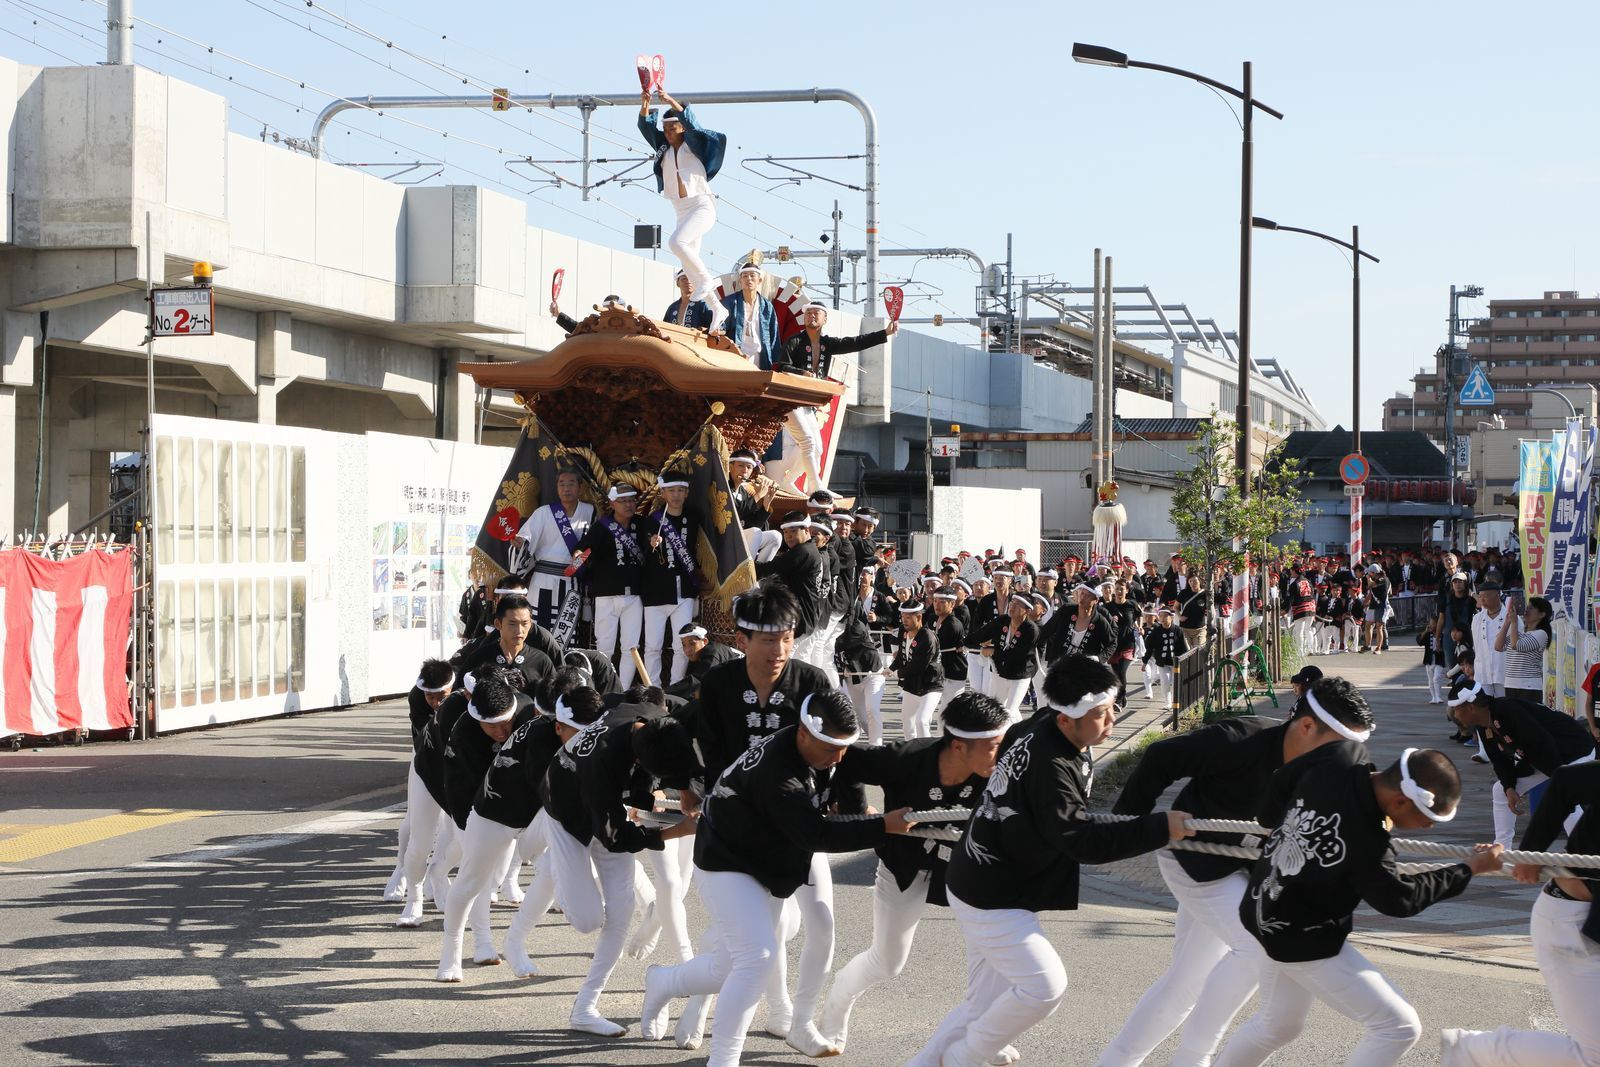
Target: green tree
{"x":1208,"y":513}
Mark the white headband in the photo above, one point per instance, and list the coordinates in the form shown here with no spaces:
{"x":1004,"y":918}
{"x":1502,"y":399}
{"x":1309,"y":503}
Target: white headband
{"x":911,"y":607}
{"x":870,"y":520}
{"x":961,"y":583}
{"x":564,"y":714}
{"x":1334,"y":724}
{"x":1088,"y":703}
{"x":1091,"y":590}
{"x":505,"y":591}
{"x":796,"y":524}
{"x":469,"y":683}
{"x":1466,"y":695}
{"x":618,"y":492}
{"x":976,"y":735}
{"x":944,"y":596}
{"x":813,"y":725}
{"x":696,"y":632}
{"x":751,"y":460}
{"x":1018,"y":598}
{"x":445,"y":688}
{"x":1415,"y":793}
{"x":676,"y":483}
{"x":502,"y":716}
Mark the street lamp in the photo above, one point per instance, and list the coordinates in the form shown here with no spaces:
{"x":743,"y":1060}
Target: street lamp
{"x":1354,"y":247}
{"x":1100,"y":56}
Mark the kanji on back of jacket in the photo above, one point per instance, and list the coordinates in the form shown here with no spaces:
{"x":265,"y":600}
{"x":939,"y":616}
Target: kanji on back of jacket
{"x":625,"y":399}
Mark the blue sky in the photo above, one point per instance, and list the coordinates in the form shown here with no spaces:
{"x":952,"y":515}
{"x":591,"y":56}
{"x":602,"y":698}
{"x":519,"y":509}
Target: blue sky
{"x":1459,"y":138}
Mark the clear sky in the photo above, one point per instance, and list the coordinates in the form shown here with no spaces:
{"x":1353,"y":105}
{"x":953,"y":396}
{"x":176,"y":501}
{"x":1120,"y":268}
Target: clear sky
{"x":1460,"y":138}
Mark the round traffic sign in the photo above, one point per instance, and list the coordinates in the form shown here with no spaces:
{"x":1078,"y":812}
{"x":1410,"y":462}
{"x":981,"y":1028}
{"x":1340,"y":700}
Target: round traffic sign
{"x":1354,"y":468}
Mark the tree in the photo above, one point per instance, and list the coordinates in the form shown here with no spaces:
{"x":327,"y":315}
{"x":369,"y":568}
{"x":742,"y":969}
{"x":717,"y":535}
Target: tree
{"x":1208,"y":513}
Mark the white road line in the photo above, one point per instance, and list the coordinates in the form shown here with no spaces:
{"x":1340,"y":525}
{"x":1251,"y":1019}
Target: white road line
{"x":332,"y":823}
{"x":45,"y":770}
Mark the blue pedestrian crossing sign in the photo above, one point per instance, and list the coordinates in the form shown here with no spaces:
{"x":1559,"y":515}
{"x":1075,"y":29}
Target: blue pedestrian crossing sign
{"x":1477,"y":393}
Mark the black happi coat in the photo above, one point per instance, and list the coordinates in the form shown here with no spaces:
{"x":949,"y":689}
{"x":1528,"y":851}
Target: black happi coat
{"x":509,"y":793}
{"x":732,"y":716}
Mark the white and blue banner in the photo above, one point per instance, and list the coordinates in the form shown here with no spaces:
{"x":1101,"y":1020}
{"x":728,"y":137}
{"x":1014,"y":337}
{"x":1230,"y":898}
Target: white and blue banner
{"x":1570,"y":517}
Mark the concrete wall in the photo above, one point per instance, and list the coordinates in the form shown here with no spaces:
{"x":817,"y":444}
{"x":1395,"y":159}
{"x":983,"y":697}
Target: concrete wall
{"x":978,"y":517}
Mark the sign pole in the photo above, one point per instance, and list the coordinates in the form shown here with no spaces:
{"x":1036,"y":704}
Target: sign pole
{"x":144,"y":609}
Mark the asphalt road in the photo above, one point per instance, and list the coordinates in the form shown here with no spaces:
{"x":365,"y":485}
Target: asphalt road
{"x":216,"y":898}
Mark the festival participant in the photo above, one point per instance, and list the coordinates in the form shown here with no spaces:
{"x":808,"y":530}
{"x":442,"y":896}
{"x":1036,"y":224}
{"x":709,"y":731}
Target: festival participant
{"x":799,"y":567}
{"x":476,"y":650}
{"x":470,"y":748}
{"x":687,"y":158}
{"x":686,"y":310}
{"x":1019,"y":856}
{"x":498,"y":823}
{"x":835,"y":598}
{"x":1167,"y":644}
{"x":1011,"y":643}
{"x":1526,"y":744}
{"x":425,"y":810}
{"x":859,"y":658}
{"x":1565,"y":933}
{"x":1330,"y":813}
{"x":1084,"y":629}
{"x":616,"y":545}
{"x":671,"y":576}
{"x":513,"y":648}
{"x":981,"y":611}
{"x":951,"y":635}
{"x":932,"y":772}
{"x":917,"y":668}
{"x":751,"y":319}
{"x":1377,"y":600}
{"x":763,"y":829}
{"x":547,"y":541}
{"x":1125,"y":621}
{"x":434,"y":683}
{"x":1215,"y":961}
{"x":699,"y":654}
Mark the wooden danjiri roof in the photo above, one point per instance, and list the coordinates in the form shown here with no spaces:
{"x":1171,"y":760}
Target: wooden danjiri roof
{"x":634,"y":388}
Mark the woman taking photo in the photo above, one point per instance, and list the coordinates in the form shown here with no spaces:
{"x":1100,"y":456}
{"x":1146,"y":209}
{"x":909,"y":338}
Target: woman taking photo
{"x":1524,"y":642}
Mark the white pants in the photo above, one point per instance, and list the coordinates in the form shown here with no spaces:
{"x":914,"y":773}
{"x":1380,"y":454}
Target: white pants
{"x":696,"y":216}
{"x":619,"y":619}
{"x":1014,"y":980}
{"x":802,"y":452}
{"x":671,"y":869}
{"x":1349,"y":985}
{"x":741,"y":948}
{"x":1505,"y":820}
{"x":595,"y":888}
{"x":1302,"y":629}
{"x":895,"y":914}
{"x":980,"y":673}
{"x":953,"y":687}
{"x":486,"y":848}
{"x":810,"y":648}
{"x":425,"y":818}
{"x":547,"y":592}
{"x":1214,"y":970}
{"x":660,"y":622}
{"x":1570,"y":963}
{"x":531,"y":844}
{"x":1010,"y":691}
{"x":866,"y":693}
{"x":763,"y":544}
{"x":918,"y":712}
{"x":813,"y":903}
{"x":1436,"y":687}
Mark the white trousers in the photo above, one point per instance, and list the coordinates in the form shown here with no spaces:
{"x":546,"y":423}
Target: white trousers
{"x":595,"y":888}
{"x":486,"y":848}
{"x":895,"y":914}
{"x":866,"y":693}
{"x":802,"y":452}
{"x":980,"y":673}
{"x":813,"y":902}
{"x":1570,"y":963}
{"x":696,"y":216}
{"x":1010,"y":691}
{"x":426,"y":819}
{"x":918,"y":713}
{"x":1505,"y":820}
{"x":1349,"y":985}
{"x":953,"y":687}
{"x":661,"y":624}
{"x":1302,"y":629}
{"x":1214,"y":970}
{"x":671,"y":869}
{"x":763,"y":544}
{"x":531,"y":844}
{"x":815,"y":647}
{"x":741,"y":949}
{"x":1014,"y":980}
{"x":619,"y":619}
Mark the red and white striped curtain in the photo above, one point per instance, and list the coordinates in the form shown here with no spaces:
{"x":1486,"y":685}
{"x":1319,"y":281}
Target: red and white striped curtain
{"x":64,"y":641}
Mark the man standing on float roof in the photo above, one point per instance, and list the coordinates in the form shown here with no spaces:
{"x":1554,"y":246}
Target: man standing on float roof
{"x":688,"y":156}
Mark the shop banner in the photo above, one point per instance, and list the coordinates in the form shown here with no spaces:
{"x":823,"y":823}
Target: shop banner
{"x":1536,"y":488}
{"x":1568,"y":538}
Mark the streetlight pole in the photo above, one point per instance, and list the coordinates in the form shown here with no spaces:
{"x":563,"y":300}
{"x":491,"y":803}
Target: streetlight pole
{"x":1354,"y":247}
{"x":1097,"y":55}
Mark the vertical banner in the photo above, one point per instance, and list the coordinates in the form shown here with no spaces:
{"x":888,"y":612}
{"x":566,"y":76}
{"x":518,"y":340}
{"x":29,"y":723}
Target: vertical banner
{"x":1568,"y":549}
{"x":1536,"y":482}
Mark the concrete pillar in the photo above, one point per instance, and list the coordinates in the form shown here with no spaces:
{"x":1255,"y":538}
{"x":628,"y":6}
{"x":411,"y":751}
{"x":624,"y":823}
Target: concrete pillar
{"x":1180,"y":408}
{"x":272,"y":372}
{"x":9,"y":522}
{"x":458,"y":398}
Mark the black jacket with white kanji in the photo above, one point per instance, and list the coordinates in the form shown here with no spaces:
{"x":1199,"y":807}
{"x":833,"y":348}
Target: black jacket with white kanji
{"x":1023,"y":844}
{"x":486,"y":646}
{"x":509,"y":793}
{"x":732,"y":715}
{"x":532,"y":664}
{"x":420,"y":714}
{"x":916,"y":665}
{"x":767,"y":816}
{"x":1014,"y":657}
{"x":468,"y":752}
{"x":1228,"y":764}
{"x":1166,"y":644}
{"x":908,"y":771}
{"x":435,"y":734}
{"x":856,"y":651}
{"x":668,"y":575}
{"x":801,"y":569}
{"x":1060,"y":635}
{"x":715,"y":654}
{"x":1571,"y":789}
{"x":610,"y":779}
{"x":616,"y":568}
{"x":952,"y":635}
{"x":1329,"y":850}
{"x":1530,"y":737}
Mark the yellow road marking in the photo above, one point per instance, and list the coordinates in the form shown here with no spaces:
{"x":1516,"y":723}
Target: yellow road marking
{"x":44,"y":840}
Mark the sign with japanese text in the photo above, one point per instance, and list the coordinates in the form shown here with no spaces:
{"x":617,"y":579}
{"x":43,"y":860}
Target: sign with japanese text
{"x":1537,"y":488}
{"x":184,"y":311}
{"x":1568,"y":540}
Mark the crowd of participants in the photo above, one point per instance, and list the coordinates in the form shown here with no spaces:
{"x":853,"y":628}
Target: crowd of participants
{"x":751,"y":764}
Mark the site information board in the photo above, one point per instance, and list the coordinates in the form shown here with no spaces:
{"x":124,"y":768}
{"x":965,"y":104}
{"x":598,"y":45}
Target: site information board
{"x":184,"y":311}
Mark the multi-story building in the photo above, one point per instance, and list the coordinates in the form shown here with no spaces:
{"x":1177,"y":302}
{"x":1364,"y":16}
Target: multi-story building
{"x":1523,"y":346}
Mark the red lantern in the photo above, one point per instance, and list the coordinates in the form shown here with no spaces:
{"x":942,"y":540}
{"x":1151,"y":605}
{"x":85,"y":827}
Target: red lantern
{"x":1378,"y":488}
{"x":1470,"y":495}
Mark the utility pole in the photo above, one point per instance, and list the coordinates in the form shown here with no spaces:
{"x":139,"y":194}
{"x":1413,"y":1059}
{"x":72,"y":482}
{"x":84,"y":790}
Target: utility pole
{"x":119,"y":33}
{"x":1096,"y":446}
{"x":836,"y":258}
{"x":927,"y":455}
{"x":1449,"y":418}
{"x":1011,"y":308}
{"x":1108,"y":381}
